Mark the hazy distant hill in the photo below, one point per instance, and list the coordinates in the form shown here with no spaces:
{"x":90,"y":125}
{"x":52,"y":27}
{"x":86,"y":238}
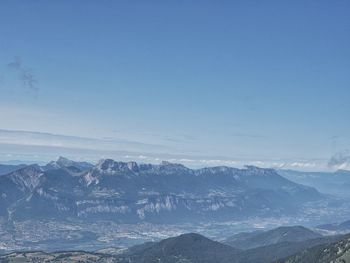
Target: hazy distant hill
{"x":335,"y":183}
{"x":274,"y":236}
{"x":343,"y":227}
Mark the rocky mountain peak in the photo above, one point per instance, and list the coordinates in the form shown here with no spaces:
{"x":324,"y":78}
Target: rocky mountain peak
{"x":172,"y":166}
{"x":111,"y":166}
{"x":64,"y":161}
{"x":27,"y":177}
{"x":254,"y":170}
{"x":73,"y":166}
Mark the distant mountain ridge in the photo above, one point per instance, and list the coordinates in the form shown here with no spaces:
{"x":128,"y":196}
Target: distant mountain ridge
{"x":343,"y":227}
{"x":335,"y":183}
{"x":9,"y":168}
{"x":131,"y":192}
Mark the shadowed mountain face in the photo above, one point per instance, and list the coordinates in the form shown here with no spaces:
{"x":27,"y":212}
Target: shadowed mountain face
{"x":337,"y":252}
{"x":274,"y":236}
{"x":129,"y":192}
{"x":5,"y":169}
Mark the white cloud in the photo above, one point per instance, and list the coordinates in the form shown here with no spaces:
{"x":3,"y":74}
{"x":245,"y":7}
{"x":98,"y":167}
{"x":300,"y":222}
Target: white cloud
{"x":340,"y":160}
{"x":25,"y":145}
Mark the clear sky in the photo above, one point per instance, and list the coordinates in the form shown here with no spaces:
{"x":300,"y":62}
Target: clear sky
{"x":234,"y":81}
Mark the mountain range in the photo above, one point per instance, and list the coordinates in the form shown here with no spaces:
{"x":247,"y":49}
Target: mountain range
{"x":78,"y":205}
{"x":131,"y":192}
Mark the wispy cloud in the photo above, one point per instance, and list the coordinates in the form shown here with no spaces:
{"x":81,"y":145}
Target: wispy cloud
{"x":174,"y":138}
{"x":16,"y":64}
{"x":25,"y":75}
{"x":57,"y":140}
{"x":340,"y":160}
{"x":47,"y":146}
{"x":303,"y":165}
{"x":179,"y":139}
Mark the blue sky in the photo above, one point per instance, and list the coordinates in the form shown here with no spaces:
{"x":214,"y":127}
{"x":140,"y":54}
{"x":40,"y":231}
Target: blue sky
{"x":263,"y":82}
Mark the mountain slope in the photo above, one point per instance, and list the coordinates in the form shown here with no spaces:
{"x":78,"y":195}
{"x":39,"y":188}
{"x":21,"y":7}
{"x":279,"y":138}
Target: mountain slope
{"x":69,"y":165}
{"x":338,"y":252}
{"x":274,"y":236}
{"x":16,"y":187}
{"x":274,"y":252}
{"x":7,"y":168}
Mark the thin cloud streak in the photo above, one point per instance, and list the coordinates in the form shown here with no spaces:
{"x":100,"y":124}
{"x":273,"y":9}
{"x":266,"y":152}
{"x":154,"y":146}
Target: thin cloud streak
{"x":38,"y":146}
{"x":18,"y":137}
